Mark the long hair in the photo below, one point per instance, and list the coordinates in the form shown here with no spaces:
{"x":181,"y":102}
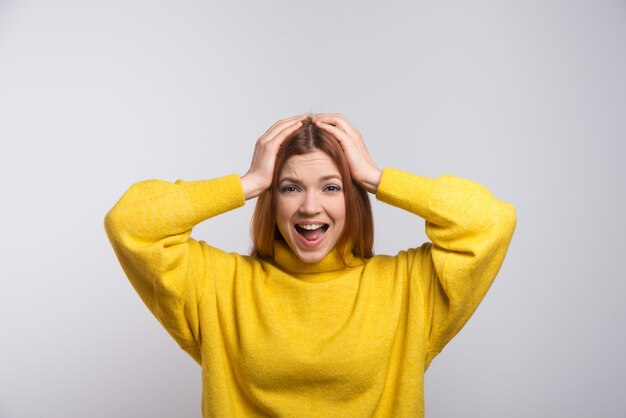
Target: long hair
{"x":358,"y":234}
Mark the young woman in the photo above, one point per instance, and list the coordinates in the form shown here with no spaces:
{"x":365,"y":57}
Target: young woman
{"x":312,"y":324}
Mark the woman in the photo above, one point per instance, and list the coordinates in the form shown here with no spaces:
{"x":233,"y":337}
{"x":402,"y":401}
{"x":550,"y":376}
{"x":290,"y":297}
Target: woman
{"x":312,"y":324}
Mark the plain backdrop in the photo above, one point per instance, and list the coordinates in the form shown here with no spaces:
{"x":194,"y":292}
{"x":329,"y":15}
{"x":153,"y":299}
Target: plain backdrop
{"x":525,"y":97}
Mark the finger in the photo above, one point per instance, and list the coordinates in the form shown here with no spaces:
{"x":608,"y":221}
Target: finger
{"x":329,"y":115}
{"x":289,"y":119}
{"x":337,"y":120}
{"x":334,"y":130}
{"x":281,"y":124}
{"x":276,"y":141}
{"x":282,"y":135}
{"x":285,"y":129}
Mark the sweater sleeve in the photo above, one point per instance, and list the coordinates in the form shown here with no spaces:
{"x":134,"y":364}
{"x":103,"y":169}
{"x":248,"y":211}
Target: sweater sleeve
{"x":470,"y":232}
{"x":149,"y":229}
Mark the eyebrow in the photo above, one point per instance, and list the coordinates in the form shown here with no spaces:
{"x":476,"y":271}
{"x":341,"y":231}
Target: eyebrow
{"x":323,"y":178}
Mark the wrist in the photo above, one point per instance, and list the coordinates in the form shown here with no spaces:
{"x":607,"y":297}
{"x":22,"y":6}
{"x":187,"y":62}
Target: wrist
{"x":252,"y":186}
{"x":371,"y":182}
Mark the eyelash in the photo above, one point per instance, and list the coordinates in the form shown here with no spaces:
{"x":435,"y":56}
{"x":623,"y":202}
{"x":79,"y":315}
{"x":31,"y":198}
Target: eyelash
{"x":336,"y":188}
{"x":289,"y":189}
{"x":333,"y":188}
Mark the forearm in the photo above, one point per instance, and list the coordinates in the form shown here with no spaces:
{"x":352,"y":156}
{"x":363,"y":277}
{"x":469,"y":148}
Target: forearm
{"x":455,"y":209}
{"x":154,"y":209}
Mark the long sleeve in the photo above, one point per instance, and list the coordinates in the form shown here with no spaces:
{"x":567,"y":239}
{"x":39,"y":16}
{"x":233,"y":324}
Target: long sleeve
{"x":470,"y":232}
{"x":149,"y":229}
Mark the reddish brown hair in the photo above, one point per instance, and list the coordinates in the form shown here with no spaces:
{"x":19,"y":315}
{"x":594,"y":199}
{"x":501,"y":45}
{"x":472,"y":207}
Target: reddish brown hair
{"x":358,"y":234}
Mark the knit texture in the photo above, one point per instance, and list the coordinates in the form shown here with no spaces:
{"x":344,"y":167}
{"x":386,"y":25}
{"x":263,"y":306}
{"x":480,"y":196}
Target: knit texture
{"x":284,"y":338}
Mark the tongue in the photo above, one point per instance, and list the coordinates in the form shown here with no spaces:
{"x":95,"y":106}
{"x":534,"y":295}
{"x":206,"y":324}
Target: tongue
{"x":311,"y":235}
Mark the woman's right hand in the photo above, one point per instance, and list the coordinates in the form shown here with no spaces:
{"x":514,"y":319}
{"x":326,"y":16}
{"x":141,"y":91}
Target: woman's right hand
{"x":259,"y":177}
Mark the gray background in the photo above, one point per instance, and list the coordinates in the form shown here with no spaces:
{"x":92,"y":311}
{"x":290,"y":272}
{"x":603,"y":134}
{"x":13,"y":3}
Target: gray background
{"x":527,"y":98}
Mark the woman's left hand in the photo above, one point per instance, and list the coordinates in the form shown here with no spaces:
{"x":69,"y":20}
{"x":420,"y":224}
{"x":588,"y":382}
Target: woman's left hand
{"x":362,"y":167}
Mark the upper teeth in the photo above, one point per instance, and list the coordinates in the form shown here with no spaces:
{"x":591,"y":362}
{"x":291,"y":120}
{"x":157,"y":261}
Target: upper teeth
{"x":311,"y":226}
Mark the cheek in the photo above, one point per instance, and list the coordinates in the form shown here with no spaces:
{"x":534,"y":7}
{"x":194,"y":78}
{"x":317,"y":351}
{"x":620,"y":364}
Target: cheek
{"x":339,"y":211}
{"x":283,"y":211}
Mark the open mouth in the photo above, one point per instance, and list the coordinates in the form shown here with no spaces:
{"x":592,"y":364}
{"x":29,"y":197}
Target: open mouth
{"x":312,"y":232}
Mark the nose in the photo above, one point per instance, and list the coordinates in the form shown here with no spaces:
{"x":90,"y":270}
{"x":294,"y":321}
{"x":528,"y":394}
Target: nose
{"x":311,"y":204}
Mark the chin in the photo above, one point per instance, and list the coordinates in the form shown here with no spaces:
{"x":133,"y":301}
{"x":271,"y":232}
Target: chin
{"x":308,"y":255}
{"x":311,"y":258}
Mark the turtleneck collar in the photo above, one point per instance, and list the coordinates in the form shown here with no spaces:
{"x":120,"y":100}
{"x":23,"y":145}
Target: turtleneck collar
{"x":285,"y":258}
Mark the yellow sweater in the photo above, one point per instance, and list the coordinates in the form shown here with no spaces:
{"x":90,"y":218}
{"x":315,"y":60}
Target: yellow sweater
{"x":289,"y":339}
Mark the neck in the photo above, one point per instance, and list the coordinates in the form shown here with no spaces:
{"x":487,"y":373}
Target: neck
{"x":322,"y":270}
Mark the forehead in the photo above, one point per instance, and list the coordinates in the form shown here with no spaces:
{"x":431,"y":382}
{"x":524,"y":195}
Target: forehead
{"x":313,"y":163}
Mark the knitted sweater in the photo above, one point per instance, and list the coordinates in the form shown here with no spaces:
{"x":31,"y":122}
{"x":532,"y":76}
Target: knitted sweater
{"x":284,"y":338}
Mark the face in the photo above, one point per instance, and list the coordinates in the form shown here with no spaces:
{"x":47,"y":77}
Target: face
{"x":311,"y":209}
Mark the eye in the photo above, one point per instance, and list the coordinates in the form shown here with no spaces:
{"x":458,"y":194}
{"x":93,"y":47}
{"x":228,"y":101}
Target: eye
{"x":290,"y":188}
{"x":332,"y":188}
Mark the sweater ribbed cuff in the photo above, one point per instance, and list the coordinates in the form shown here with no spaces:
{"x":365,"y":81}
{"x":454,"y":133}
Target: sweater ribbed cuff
{"x":212,"y":197}
{"x":406,"y":191}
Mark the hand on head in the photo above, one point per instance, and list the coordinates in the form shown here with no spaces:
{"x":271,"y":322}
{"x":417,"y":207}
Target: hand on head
{"x":259,"y":176}
{"x":362,"y":167}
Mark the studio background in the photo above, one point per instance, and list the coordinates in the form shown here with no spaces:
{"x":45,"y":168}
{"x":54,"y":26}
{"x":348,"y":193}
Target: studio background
{"x":525,"y":97}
